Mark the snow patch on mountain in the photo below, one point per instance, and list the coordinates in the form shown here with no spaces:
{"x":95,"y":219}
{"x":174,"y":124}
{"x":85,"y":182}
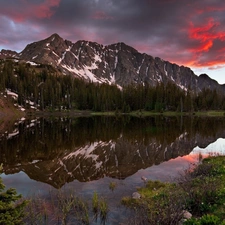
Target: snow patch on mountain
{"x":139,"y":68}
{"x":117,"y":64}
{"x":32,"y":63}
{"x":63,"y":55}
{"x":35,"y":57}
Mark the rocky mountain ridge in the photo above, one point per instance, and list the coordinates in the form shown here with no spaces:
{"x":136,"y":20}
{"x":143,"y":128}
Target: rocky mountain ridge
{"x":117,"y":64}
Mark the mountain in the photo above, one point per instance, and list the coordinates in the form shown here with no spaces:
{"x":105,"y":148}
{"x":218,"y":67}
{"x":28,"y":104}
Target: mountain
{"x":117,"y":64}
{"x":8,"y":54}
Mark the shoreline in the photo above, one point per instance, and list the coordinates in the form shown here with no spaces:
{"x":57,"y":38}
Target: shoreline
{"x":209,"y":113}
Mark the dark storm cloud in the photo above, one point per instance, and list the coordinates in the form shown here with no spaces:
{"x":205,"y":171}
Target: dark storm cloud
{"x":186,"y":32}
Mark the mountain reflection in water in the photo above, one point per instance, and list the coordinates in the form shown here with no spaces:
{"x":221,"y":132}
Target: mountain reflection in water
{"x":57,"y":151}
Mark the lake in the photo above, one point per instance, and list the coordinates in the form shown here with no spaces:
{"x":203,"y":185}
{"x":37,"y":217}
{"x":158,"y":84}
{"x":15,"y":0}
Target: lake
{"x":87,"y":154}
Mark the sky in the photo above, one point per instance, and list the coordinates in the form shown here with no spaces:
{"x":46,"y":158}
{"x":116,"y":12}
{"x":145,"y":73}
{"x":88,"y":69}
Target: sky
{"x":185,"y":32}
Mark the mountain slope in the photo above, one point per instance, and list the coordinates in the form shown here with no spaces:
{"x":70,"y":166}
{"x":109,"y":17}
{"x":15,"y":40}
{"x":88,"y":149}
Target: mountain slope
{"x":117,"y":64}
{"x":8,"y":54}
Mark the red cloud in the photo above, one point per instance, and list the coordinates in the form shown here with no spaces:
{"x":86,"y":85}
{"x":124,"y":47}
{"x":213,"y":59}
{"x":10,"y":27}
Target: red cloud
{"x":100,"y":15}
{"x":216,"y":67}
{"x":4,"y":41}
{"x":205,"y":36}
{"x":27,"y":10}
{"x":209,"y":63}
{"x":210,"y":9}
{"x":45,"y":10}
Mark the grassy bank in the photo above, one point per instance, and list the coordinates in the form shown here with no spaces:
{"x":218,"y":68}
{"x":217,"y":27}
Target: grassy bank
{"x":138,"y":113}
{"x":210,"y":113}
{"x":142,"y":113}
{"x":199,"y":190}
{"x":175,"y":113}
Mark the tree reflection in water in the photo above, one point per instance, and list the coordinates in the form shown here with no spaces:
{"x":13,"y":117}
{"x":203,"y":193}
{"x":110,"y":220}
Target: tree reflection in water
{"x":58,"y":150}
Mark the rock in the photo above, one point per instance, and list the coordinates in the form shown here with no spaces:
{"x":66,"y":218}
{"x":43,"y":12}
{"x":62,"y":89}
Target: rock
{"x":144,"y":178}
{"x":186,"y":215}
{"x":136,"y":195}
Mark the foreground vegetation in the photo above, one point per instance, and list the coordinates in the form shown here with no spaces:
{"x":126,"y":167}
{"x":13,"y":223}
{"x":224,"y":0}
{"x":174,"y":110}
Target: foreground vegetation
{"x":11,"y":206}
{"x":200,"y":191}
{"x":65,"y":207}
{"x":60,"y":207}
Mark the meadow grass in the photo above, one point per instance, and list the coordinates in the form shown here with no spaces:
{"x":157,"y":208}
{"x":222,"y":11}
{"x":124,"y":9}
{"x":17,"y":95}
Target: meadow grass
{"x":200,"y":190}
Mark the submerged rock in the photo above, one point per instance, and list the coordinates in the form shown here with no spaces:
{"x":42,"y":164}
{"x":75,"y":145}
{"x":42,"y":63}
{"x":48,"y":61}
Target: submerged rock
{"x":136,"y":195}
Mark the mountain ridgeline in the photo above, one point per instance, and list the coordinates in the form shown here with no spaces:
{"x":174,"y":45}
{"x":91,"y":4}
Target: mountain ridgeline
{"x":57,"y":74}
{"x":117,"y":64}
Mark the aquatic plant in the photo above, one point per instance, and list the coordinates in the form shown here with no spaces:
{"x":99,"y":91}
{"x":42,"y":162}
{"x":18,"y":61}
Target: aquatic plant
{"x":112,"y":185}
{"x":95,"y":202}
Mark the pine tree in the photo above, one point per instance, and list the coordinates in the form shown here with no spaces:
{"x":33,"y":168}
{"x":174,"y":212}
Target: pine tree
{"x":11,"y":206}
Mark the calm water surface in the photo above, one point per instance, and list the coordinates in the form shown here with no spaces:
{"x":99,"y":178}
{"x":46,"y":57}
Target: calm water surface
{"x":86,"y":154}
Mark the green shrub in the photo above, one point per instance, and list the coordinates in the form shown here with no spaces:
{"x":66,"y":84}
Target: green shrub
{"x":192,"y":221}
{"x":204,"y":220}
{"x":210,"y":220}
